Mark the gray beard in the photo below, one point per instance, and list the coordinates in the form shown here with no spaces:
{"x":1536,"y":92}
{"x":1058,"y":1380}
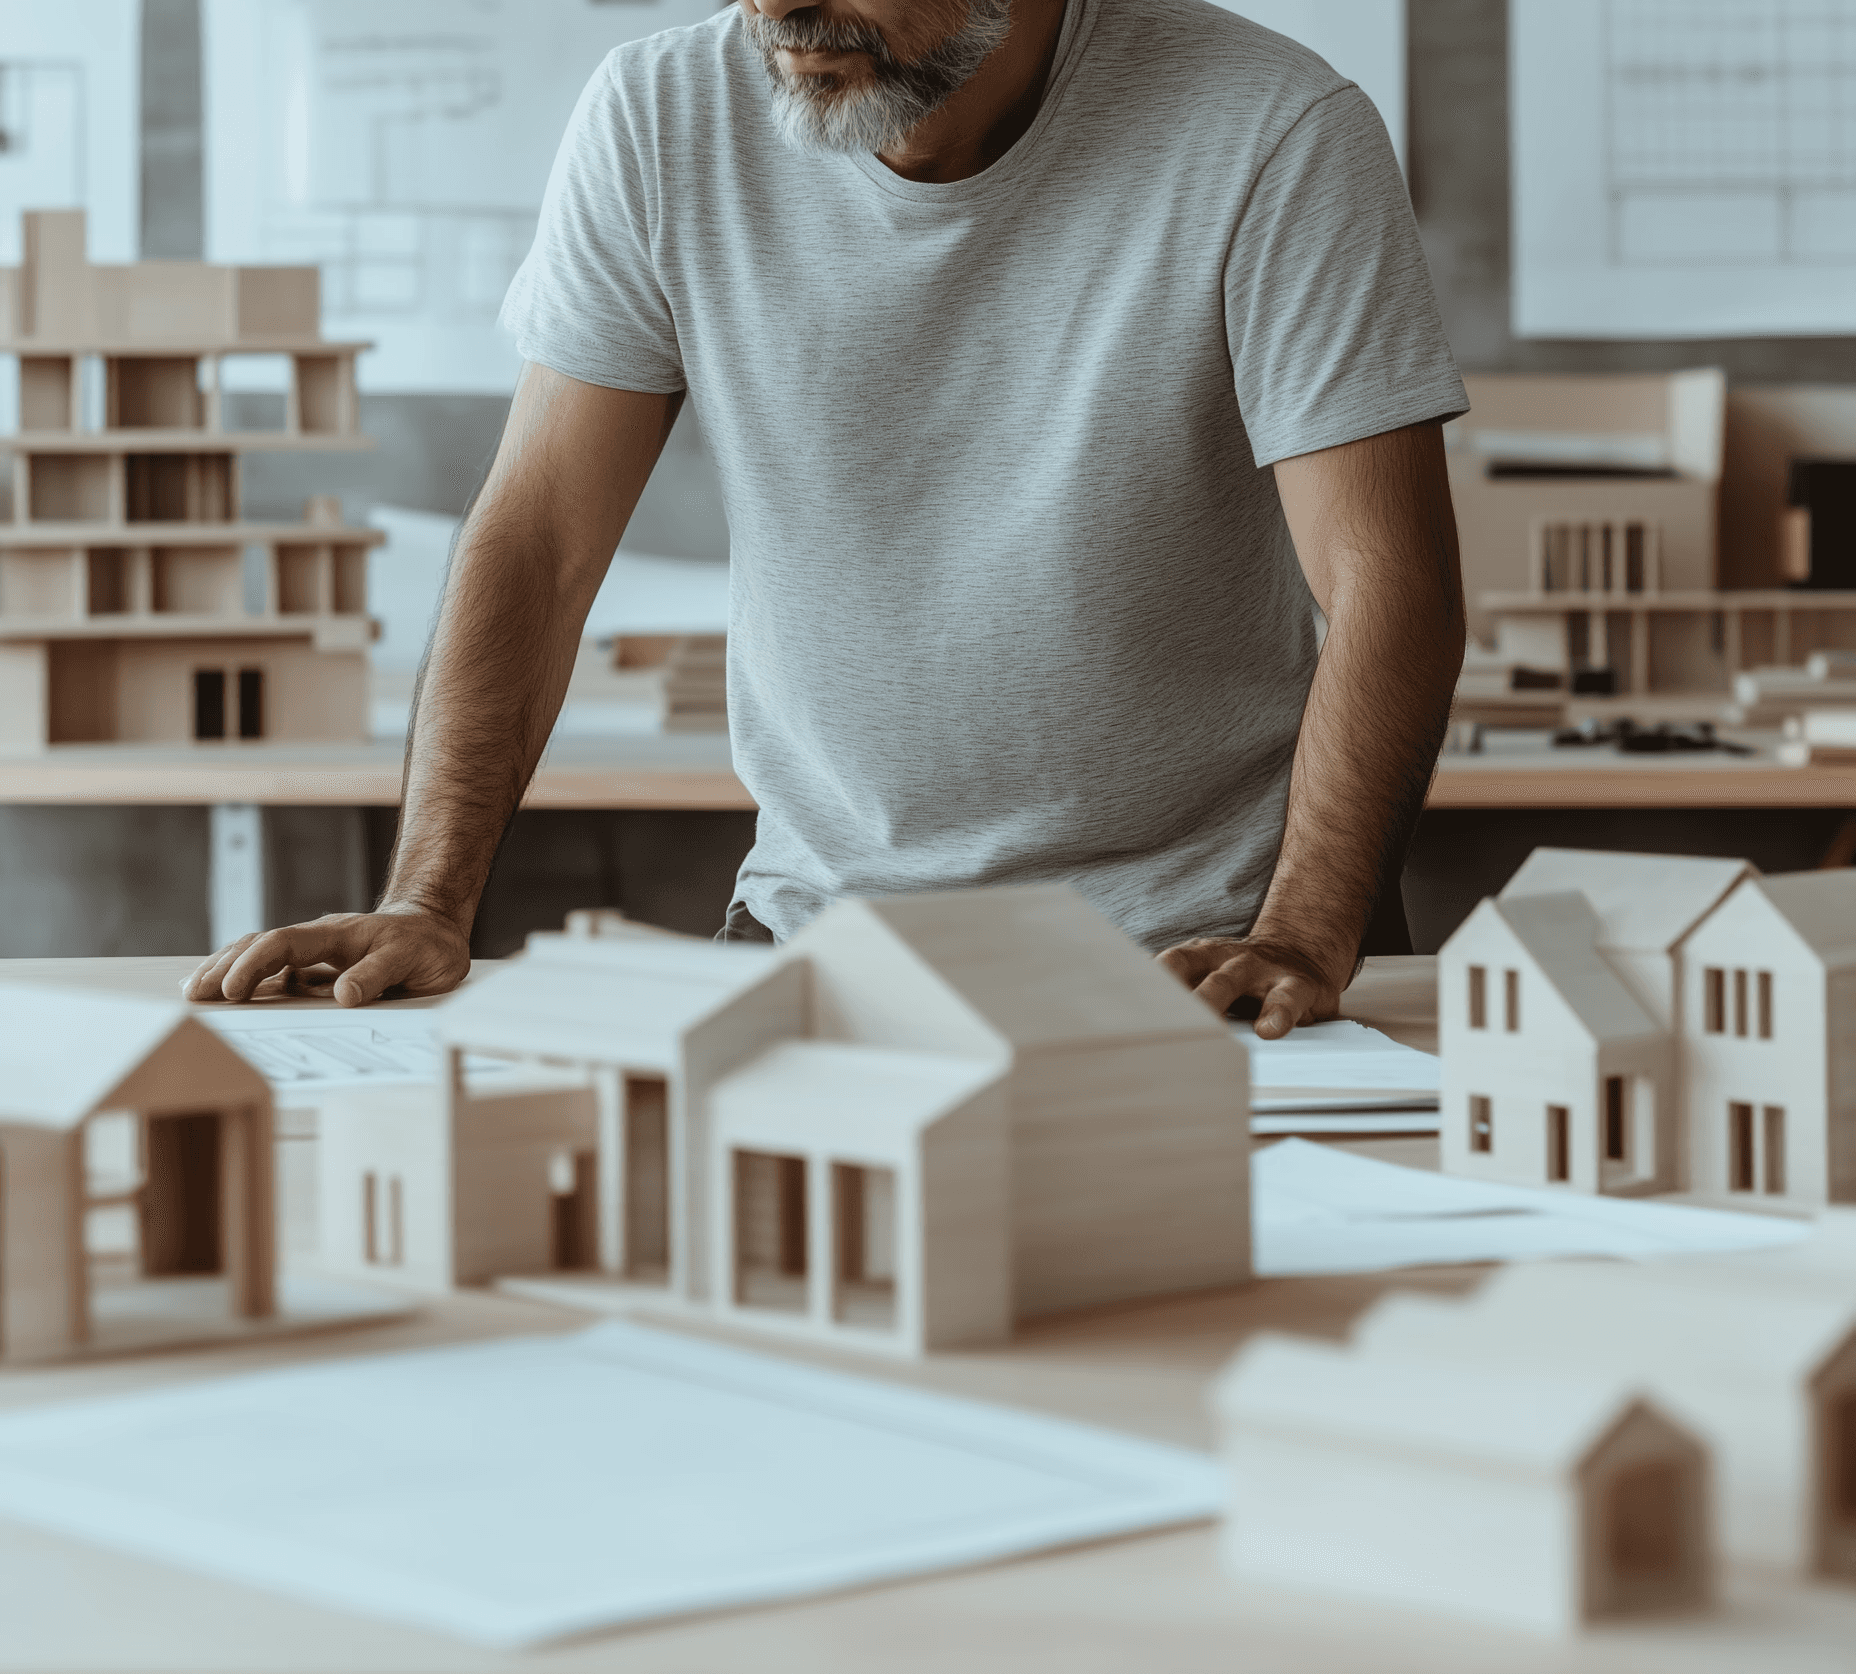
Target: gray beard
{"x":819,"y":116}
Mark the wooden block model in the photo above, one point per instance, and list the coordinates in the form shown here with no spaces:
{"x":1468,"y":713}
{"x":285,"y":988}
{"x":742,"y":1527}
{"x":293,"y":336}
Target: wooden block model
{"x":135,"y":1175}
{"x":1542,"y":1502}
{"x":695,"y":697}
{"x":919,"y":1122}
{"x":1760,"y":1367}
{"x":136,"y":603}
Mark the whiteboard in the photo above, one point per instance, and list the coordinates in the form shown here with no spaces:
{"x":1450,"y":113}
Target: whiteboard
{"x":1363,"y":39}
{"x":1683,"y":168}
{"x":70,"y":119}
{"x":403,"y":145}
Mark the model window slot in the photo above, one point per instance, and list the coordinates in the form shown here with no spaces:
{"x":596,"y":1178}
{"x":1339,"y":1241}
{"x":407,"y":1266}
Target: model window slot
{"x":1714,"y":1000}
{"x":1478,"y":997}
{"x":1559,"y":1142}
{"x":1772,"y":1125}
{"x":209,"y":703}
{"x":251,"y":703}
{"x":1481,"y":1123}
{"x":1740,"y":1003}
{"x":1765,"y":1005}
{"x":1740,"y":1147}
{"x":1511,"y":1001}
{"x":1617,"y":1123}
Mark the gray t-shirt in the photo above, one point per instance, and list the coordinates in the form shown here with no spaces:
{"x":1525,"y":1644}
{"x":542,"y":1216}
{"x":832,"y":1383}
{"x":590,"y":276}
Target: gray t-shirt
{"x":1012,"y":598}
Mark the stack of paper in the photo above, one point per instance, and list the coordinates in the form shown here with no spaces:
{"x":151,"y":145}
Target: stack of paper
{"x":1339,"y":1077}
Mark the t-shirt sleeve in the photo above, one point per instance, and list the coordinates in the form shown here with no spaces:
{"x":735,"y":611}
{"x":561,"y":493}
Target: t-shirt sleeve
{"x":586,"y":299}
{"x":1333,"y":326}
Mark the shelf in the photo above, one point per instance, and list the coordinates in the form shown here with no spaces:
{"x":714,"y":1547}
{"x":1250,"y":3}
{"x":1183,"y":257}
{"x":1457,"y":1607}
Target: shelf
{"x":142,"y":349}
{"x":1777,"y":598}
{"x":330,"y":627}
{"x":187,"y":534}
{"x":184,"y":441}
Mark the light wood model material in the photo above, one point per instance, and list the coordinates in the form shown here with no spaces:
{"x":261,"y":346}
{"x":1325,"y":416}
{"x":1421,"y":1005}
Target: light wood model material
{"x":126,"y":567}
{"x":1652,"y":1023}
{"x":920,"y":1122}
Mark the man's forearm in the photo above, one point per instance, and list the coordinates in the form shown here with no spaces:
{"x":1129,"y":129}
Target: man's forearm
{"x":486,"y":700}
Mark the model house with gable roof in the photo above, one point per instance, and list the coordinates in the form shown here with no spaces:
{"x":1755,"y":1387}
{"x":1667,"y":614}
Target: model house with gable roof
{"x":1641,"y":1023}
{"x":922,"y":1120}
{"x":1542,"y":1502}
{"x":135,"y":1153}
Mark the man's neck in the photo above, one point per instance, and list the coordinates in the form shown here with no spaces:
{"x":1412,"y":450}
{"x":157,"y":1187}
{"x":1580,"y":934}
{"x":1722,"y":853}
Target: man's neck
{"x":991,"y":113}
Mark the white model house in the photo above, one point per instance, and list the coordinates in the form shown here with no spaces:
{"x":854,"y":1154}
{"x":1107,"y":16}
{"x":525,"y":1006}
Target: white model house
{"x":920,"y":1121}
{"x":1538,"y":1502}
{"x":135,"y":1146}
{"x":1630,"y":1023}
{"x":1764,"y":1374}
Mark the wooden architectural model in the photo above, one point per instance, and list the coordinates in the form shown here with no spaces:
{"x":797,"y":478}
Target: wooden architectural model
{"x":1542,"y":1502}
{"x":1761,"y":1369}
{"x":136,"y":603}
{"x":1639,"y":1023}
{"x":917,"y":1123}
{"x":135,"y":1146}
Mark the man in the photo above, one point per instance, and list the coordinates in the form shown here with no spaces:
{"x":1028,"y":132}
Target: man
{"x":992,"y":310}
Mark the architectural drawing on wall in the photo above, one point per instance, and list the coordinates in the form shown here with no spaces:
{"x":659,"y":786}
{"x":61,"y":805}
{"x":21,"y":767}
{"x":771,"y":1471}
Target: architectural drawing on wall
{"x":1684,"y":168}
{"x":1363,"y":39}
{"x":403,"y":146}
{"x":69,"y":119}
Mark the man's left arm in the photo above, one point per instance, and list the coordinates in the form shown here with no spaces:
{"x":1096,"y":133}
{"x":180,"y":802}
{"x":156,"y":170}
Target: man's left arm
{"x":1376,"y":536}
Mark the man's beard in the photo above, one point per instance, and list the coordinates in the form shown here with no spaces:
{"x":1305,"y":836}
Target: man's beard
{"x":822,"y":114}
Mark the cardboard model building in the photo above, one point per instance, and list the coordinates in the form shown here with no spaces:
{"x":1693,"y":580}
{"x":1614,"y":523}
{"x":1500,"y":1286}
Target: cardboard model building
{"x":135,"y":1175}
{"x":1640,"y":1023}
{"x":1761,"y":1369}
{"x":1539,"y":1502}
{"x":919,"y":1122}
{"x":129,"y":609}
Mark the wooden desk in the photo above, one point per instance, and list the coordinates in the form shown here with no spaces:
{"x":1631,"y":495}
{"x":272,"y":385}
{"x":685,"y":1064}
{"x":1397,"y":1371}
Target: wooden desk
{"x":1154,"y":1602}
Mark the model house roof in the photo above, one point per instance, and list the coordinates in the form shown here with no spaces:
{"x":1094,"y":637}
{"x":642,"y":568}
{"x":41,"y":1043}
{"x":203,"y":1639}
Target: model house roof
{"x":1538,"y":1424}
{"x":1560,"y":932}
{"x":1038,"y":963}
{"x":620,"y":1001}
{"x":66,"y":1054}
{"x":1821,"y":907}
{"x":862,"y":1103}
{"x":1644,"y":903}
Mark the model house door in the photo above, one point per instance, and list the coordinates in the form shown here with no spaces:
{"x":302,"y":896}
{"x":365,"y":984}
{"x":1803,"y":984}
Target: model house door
{"x":180,"y":1202}
{"x":647,"y":1178}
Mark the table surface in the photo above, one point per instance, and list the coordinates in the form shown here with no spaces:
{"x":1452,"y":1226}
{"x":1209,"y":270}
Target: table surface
{"x":694,"y":771}
{"x":1156,"y":1601}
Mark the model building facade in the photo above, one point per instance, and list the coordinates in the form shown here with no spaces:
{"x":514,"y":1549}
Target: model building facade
{"x":1641,"y":1023}
{"x":137,"y":604}
{"x":921,"y":1121}
{"x":135,"y":1146}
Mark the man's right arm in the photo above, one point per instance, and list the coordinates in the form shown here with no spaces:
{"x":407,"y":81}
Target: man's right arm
{"x":527,"y":562}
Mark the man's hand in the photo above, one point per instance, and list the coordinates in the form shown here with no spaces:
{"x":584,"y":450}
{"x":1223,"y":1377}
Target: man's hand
{"x":399,"y":950}
{"x":1291,"y":987}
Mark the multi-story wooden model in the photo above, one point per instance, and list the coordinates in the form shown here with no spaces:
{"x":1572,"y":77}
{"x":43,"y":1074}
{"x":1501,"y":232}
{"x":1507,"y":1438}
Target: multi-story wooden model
{"x":1643,"y":1023}
{"x":136,"y":603}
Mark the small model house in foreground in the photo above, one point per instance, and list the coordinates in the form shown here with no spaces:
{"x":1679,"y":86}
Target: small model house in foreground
{"x":138,"y":603}
{"x":1535,"y":1502}
{"x":1641,"y":1023}
{"x":921,"y":1121}
{"x":1762,"y":1371}
{"x":135,"y":1146}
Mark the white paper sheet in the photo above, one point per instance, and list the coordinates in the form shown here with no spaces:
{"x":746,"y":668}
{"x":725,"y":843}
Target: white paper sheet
{"x":1317,"y":1209}
{"x":517,"y":1491}
{"x":301,"y":1051}
{"x":403,"y":145}
{"x":70,"y":131}
{"x":1338,"y":1056}
{"x":1683,"y":170}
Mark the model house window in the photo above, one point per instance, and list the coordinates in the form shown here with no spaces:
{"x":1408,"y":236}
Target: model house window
{"x":1772,"y":1133}
{"x":1617,"y":1124}
{"x":1481,"y":1123}
{"x":1559,"y":1142}
{"x":1478,"y":997}
{"x":771,"y":1233}
{"x":1511,"y":1000}
{"x":1714,"y":1000}
{"x":383,"y":1220}
{"x":1765,"y":1005}
{"x":1740,"y":1002}
{"x":1740,"y":1147}
{"x":251,"y":703}
{"x":209,"y":703}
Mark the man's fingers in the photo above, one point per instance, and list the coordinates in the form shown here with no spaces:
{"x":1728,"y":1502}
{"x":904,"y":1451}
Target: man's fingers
{"x":1191,"y":962}
{"x":367,"y":979}
{"x":302,"y":944}
{"x":1290,"y":1001}
{"x":205,"y":981}
{"x":1233,"y":978}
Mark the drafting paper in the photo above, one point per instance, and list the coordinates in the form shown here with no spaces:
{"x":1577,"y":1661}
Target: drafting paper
{"x":518,"y":1491}
{"x":403,"y":145}
{"x":1683,"y":169}
{"x":1338,"y":1056}
{"x":311,"y":1050}
{"x":70,"y":119}
{"x":1317,"y":1209}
